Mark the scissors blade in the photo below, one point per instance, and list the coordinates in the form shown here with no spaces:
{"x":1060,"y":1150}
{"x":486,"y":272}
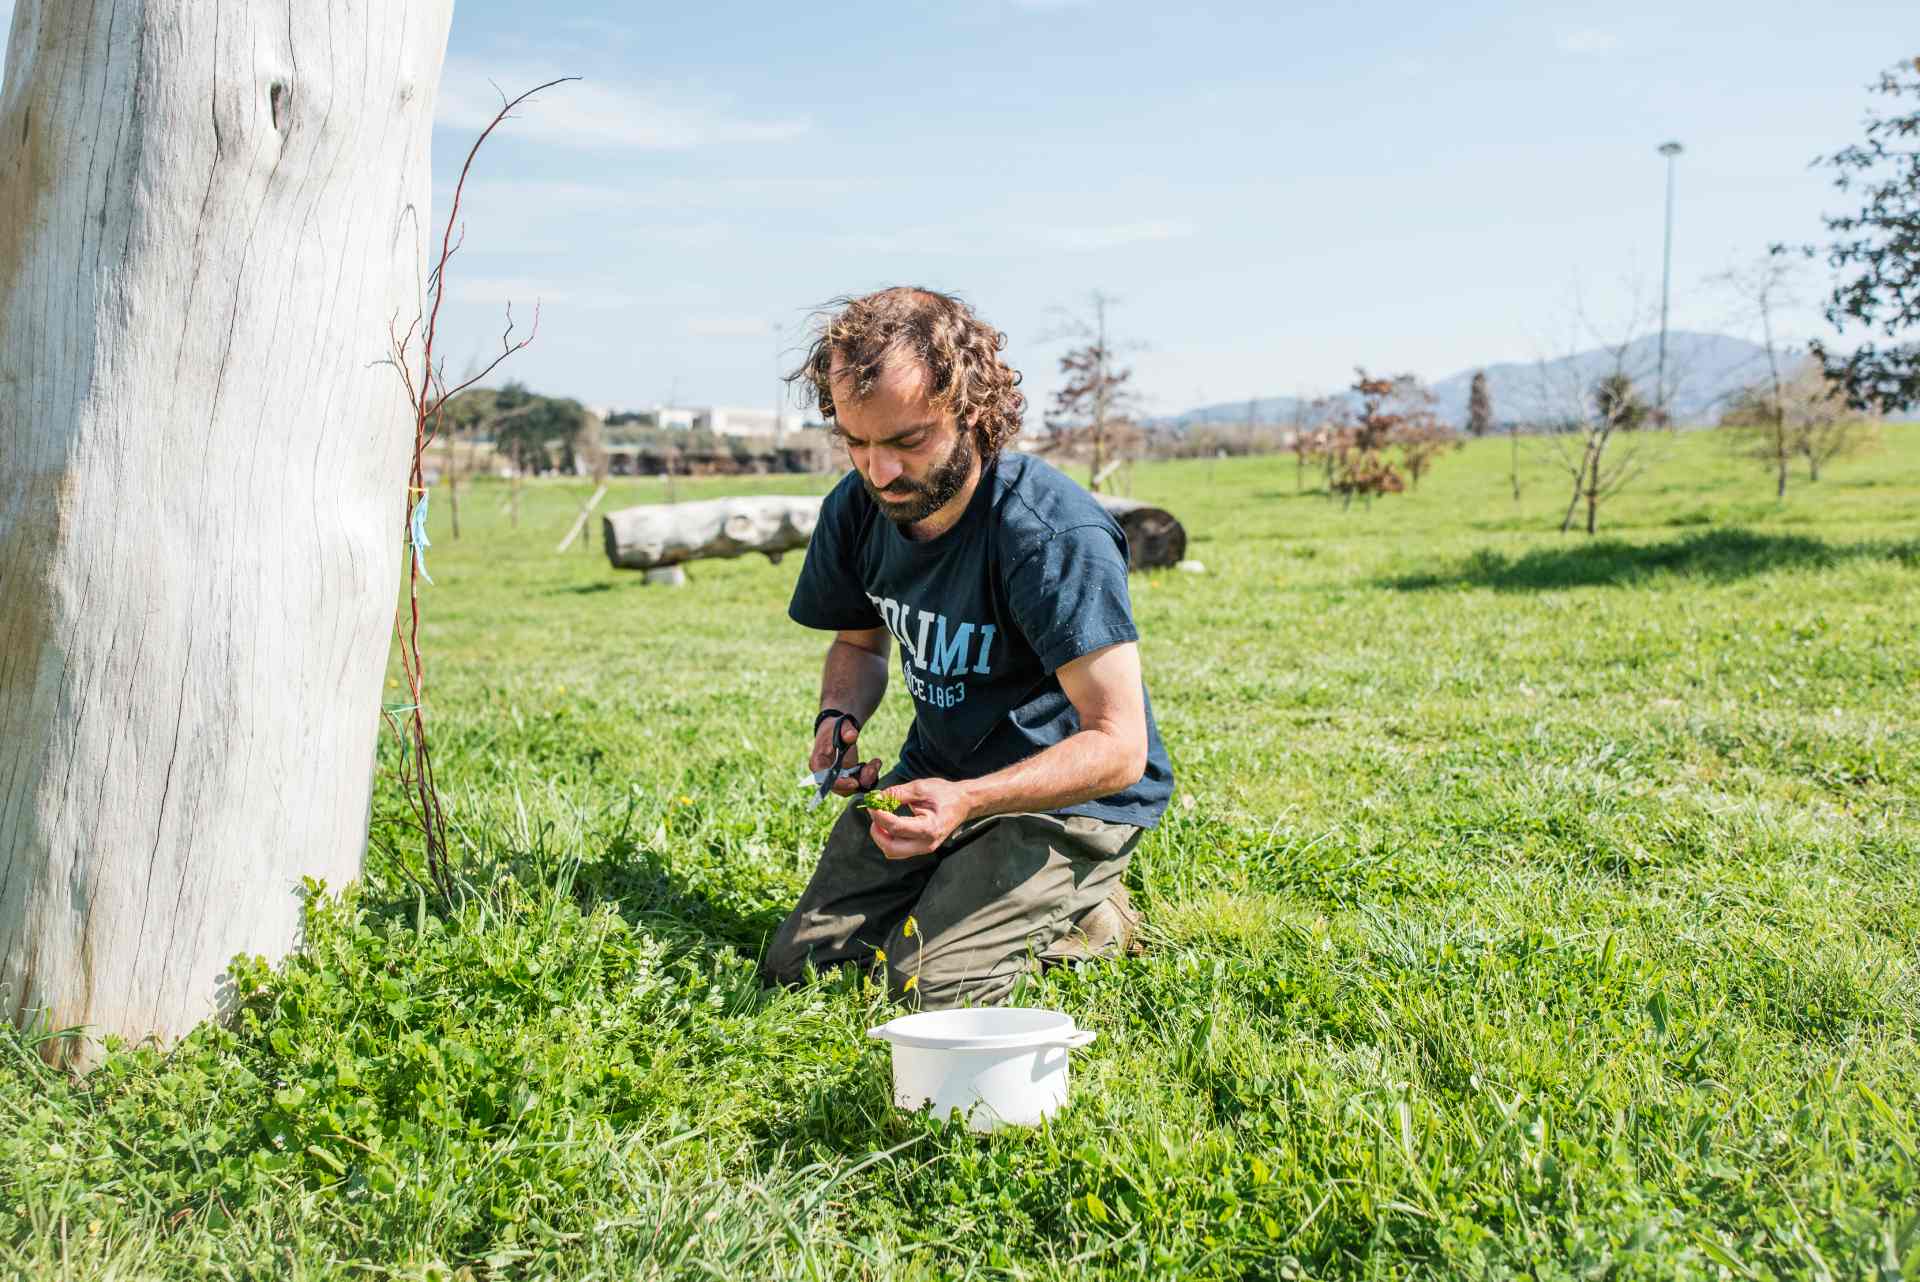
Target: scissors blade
{"x":821,"y":781}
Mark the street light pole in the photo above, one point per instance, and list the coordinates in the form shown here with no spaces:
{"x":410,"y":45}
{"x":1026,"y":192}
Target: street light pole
{"x":1669,"y":150}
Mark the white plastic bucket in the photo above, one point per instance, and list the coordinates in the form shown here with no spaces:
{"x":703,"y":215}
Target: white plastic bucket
{"x":997,"y":1065}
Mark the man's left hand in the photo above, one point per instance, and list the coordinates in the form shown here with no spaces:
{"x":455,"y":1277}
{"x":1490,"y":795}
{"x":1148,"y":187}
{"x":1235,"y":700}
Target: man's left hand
{"x":939,"y":806}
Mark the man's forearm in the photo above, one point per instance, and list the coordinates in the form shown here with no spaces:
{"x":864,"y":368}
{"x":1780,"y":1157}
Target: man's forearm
{"x":1091,"y":763}
{"x":853,"y":680}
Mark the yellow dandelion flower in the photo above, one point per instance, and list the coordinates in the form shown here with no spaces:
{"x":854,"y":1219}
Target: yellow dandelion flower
{"x":393,"y":683}
{"x":906,"y":930}
{"x":685,"y":800}
{"x":880,"y":955}
{"x":913,"y":982}
{"x":563,"y":689}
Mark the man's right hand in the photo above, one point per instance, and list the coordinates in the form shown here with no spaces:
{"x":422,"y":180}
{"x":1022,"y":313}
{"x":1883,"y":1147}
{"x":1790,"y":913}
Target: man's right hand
{"x":825,"y":754}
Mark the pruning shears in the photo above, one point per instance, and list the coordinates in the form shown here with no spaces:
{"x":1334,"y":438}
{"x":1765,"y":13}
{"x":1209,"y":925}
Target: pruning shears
{"x":827,"y":776}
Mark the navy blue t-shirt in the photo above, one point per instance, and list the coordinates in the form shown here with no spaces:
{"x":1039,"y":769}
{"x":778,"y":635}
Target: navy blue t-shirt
{"x":1032,"y":576}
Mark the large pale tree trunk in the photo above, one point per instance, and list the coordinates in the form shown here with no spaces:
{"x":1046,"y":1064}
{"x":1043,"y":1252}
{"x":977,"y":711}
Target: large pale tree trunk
{"x":210,"y":212}
{"x":659,"y":534}
{"x":655,"y":535}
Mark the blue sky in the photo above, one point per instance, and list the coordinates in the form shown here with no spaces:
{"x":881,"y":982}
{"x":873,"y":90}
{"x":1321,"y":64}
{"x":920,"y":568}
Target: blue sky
{"x":1274,"y":193}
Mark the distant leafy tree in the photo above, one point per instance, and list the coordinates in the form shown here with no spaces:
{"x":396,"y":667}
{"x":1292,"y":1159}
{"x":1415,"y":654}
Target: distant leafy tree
{"x":1395,"y":414}
{"x":1479,"y":405}
{"x":534,"y":433}
{"x":537,"y":433}
{"x":1875,"y":252}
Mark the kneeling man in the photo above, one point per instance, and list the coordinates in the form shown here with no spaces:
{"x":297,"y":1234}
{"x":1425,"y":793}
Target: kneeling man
{"x":1033,"y":763}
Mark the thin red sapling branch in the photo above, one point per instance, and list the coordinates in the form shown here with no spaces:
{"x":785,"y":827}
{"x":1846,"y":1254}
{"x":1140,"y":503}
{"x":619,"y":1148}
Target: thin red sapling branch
{"x":428,"y":394}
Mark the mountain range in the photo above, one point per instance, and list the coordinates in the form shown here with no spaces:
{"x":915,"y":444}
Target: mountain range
{"x":1703,"y":372}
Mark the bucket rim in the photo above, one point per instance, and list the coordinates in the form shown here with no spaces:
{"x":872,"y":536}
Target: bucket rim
{"x":920,"y":1030}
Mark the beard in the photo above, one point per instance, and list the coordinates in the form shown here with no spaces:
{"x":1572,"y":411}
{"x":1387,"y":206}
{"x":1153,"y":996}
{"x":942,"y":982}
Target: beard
{"x":906,"y":501}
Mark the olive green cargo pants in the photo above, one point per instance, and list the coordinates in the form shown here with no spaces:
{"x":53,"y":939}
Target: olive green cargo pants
{"x":999,"y":898}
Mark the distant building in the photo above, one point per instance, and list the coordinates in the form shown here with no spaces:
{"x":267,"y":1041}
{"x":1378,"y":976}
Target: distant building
{"x":727,"y":421}
{"x":721,"y":420}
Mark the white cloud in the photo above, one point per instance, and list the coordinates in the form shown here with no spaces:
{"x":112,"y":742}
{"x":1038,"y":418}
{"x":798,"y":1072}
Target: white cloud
{"x":591,"y":114}
{"x":941,"y":241}
{"x":1079,"y":239}
{"x":671,"y":193}
{"x":960,"y":242}
{"x":1052,"y":6}
{"x":525,"y":291}
{"x":1588,"y":40}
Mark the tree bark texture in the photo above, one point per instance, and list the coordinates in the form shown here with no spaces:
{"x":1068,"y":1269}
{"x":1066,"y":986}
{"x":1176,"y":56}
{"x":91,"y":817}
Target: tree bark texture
{"x":657,"y":534}
{"x":211,"y":211}
{"x":1154,"y":538}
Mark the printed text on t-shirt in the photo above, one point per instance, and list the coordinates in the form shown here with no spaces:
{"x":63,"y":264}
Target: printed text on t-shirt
{"x":935,"y":646}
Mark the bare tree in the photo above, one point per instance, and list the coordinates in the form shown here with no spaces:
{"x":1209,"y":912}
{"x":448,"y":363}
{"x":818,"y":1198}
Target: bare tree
{"x":452,"y":428}
{"x":451,"y":465}
{"x":589,"y":447}
{"x":1825,"y":426}
{"x":590,"y":458}
{"x":1760,"y":289}
{"x":428,"y":394}
{"x":1299,"y":439}
{"x":1304,"y":443}
{"x":1422,"y":438}
{"x":1592,"y":429}
{"x":1092,"y":408}
{"x":1805,"y":412}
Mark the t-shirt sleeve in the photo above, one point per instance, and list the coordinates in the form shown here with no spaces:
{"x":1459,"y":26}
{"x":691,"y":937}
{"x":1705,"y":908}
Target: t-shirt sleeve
{"x":828,"y":594}
{"x":1069,"y":595}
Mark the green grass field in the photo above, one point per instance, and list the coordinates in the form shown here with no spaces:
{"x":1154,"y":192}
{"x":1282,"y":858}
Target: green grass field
{"x":1530,"y":905}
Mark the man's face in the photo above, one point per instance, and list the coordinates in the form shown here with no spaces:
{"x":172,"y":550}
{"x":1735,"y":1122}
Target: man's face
{"x":912,"y":457}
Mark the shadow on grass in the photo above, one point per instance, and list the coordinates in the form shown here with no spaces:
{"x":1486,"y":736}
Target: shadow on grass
{"x":1719,"y":556}
{"x":651,"y":892}
{"x":706,"y":904}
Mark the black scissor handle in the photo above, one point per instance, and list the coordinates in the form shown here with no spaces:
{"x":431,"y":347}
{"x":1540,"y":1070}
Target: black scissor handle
{"x":839,"y":768}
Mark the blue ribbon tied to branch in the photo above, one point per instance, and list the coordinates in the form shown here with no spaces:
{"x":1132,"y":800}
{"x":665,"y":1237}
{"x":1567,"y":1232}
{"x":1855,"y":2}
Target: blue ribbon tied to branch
{"x":417,"y":536}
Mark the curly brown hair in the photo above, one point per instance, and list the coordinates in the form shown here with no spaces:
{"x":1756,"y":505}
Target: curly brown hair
{"x":959,"y":351}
